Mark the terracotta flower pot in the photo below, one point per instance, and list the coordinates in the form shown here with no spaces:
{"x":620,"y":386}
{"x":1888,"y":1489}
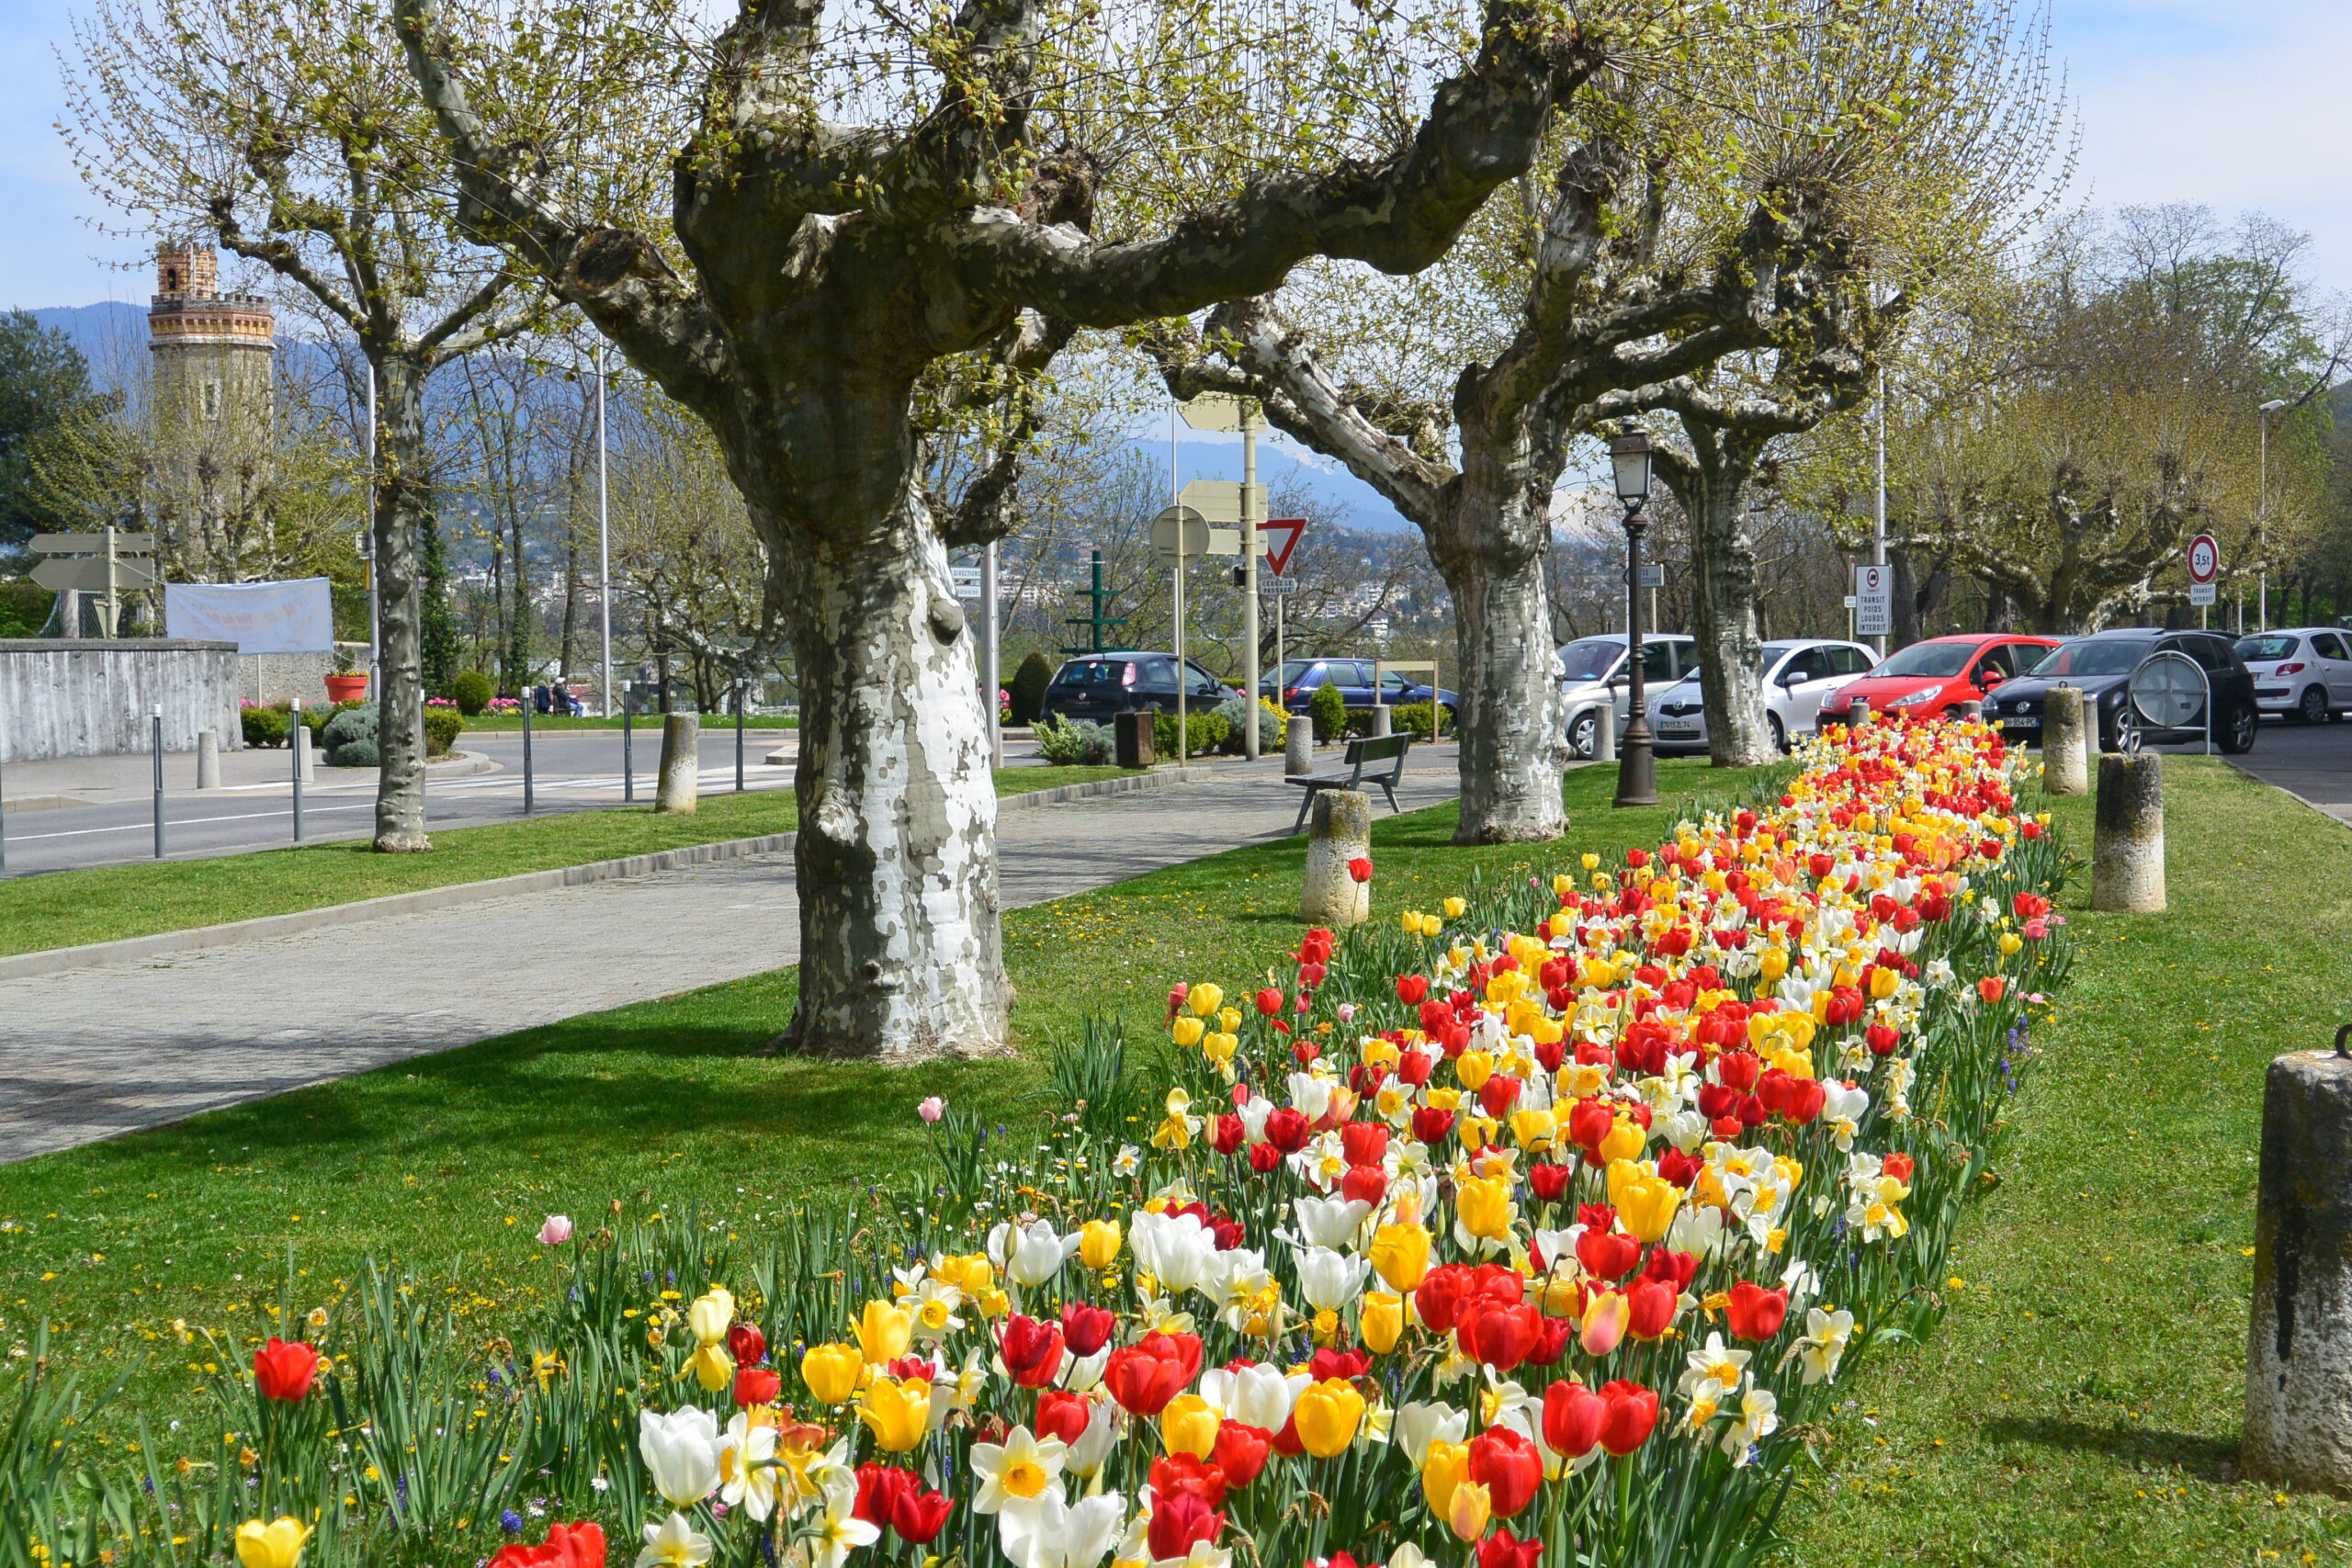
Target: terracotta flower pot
{"x":347,"y":688}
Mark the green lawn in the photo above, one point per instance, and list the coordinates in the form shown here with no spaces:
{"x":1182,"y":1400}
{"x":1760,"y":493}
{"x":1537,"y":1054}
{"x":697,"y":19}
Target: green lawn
{"x":2080,"y":1403}
{"x":459,"y":1156}
{"x":68,"y":908}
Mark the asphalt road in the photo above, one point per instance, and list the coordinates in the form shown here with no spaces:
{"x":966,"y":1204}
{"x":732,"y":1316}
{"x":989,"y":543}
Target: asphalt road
{"x":2310,"y":760}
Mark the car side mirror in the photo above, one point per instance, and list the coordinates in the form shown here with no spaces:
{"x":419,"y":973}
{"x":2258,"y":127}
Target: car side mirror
{"x":1789,"y":678}
{"x":1990,"y":679}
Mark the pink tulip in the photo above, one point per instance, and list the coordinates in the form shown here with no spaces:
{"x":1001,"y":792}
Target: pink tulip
{"x":1347,"y":1012}
{"x":557,"y":1231}
{"x":1604,"y":1323}
{"x":932,"y":1109}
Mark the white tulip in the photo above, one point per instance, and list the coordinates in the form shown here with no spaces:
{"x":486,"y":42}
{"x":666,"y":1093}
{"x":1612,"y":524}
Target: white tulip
{"x":1330,"y":1221}
{"x":1094,"y":1445}
{"x":1178,"y":1250}
{"x":1049,"y":1533}
{"x":1418,"y":1425}
{"x":1031,"y":1254}
{"x":1255,"y":1396}
{"x":1330,"y":1279}
{"x":681,"y":1451}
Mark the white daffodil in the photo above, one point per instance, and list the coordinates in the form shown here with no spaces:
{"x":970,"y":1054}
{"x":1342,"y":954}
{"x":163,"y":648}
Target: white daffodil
{"x":681,"y":1452}
{"x":837,"y":1531}
{"x":1843,"y":1106}
{"x":1053,"y":1534}
{"x":933,"y":1304}
{"x":1758,"y":1416}
{"x":1330,"y":1221}
{"x":747,"y":1475}
{"x":1823,"y":1345}
{"x":1017,"y":1470}
{"x":1715,"y":1371}
{"x":673,"y":1543}
{"x":1330,"y":1279}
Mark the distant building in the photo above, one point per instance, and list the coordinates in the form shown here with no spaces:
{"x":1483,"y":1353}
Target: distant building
{"x":212,"y":410}
{"x":212,"y":351}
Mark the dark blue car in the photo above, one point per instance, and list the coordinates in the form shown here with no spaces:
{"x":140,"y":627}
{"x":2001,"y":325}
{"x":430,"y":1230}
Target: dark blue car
{"x":1298,"y":677}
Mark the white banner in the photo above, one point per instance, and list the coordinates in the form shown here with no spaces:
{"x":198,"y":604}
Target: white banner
{"x":259,"y":617}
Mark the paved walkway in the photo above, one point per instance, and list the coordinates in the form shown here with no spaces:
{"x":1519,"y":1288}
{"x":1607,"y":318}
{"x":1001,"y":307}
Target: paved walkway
{"x":92,"y":1053}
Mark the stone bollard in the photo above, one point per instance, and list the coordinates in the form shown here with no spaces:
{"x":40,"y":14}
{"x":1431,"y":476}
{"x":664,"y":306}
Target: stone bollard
{"x":2128,"y":843}
{"x":1380,"y":719}
{"x":680,"y":789}
{"x":305,"y":757}
{"x":1298,"y":746}
{"x":1968,"y":708}
{"x":2298,"y":1350}
{"x":1857,"y":713}
{"x":1341,"y":831}
{"x":208,"y":759}
{"x":1604,"y":736}
{"x":2065,"y":756}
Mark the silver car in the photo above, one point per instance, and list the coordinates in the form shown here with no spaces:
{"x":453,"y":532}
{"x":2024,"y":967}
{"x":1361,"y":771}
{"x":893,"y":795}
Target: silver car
{"x":1799,"y":676}
{"x":2303,"y":672}
{"x":1594,"y":680}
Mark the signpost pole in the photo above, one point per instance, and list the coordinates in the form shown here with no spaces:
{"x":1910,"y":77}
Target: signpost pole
{"x":991,"y":671}
{"x":628,"y":746}
{"x":603,"y":545}
{"x":739,"y":735}
{"x":295,"y":739}
{"x":159,"y":782}
{"x":1183,"y":730}
{"x":1249,"y":538}
{"x":1878,"y":491}
{"x":527,"y":751}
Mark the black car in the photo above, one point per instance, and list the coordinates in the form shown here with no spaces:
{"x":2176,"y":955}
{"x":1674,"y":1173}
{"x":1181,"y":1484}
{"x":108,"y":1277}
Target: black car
{"x":2101,"y":667}
{"x":1097,"y":685}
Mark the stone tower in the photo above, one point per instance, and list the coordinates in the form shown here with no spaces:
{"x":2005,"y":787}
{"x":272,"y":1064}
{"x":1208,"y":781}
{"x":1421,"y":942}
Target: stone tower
{"x":213,"y":407}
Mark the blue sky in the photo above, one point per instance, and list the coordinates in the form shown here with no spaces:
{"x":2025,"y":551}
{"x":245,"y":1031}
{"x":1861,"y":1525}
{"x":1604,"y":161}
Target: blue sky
{"x":2237,"y":104}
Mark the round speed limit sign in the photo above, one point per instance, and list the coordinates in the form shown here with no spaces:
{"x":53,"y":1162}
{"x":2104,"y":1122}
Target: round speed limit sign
{"x":2204,"y":558}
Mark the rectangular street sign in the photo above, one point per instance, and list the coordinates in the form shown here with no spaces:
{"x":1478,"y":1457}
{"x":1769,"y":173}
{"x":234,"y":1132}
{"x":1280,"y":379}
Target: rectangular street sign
{"x":2200,"y":594}
{"x":125,"y":543}
{"x":1219,"y":500}
{"x":968,"y":580}
{"x":1653,"y":574}
{"x":1874,"y":601}
{"x":1280,"y":587}
{"x":87,"y":574}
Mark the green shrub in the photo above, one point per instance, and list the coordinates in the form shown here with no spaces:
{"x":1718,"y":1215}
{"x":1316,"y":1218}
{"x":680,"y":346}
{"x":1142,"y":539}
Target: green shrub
{"x":1328,"y":711}
{"x":24,"y":608}
{"x":442,"y":727}
{"x":1204,"y":732}
{"x":1416,"y":719}
{"x":1068,"y":744}
{"x":263,"y":726}
{"x":1234,"y":711}
{"x":471,"y":691}
{"x":1028,"y":688}
{"x":350,"y":738}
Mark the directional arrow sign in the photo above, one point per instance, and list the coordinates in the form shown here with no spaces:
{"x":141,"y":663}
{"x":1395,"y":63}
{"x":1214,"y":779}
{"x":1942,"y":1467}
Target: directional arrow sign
{"x":1281,"y":538}
{"x":1221,"y":410}
{"x":87,"y":574}
{"x":1219,"y":500}
{"x":92,"y":544}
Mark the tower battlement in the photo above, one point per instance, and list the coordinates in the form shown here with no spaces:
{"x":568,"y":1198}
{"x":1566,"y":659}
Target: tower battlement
{"x":189,"y":308}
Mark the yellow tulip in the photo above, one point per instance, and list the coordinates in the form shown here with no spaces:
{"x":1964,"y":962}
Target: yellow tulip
{"x":1444,"y":1098}
{"x":1484,"y":1207}
{"x":1189,"y":1426}
{"x":278,"y":1544}
{"x":1472,"y":1069}
{"x":1098,"y":1243}
{"x":1382,"y":1320}
{"x":883,"y":1331}
{"x":1882,"y":983}
{"x":1327,"y":1415}
{"x":1443,"y":1468}
{"x":1624,"y":1140}
{"x":1411,"y":920}
{"x":1187,"y":1030}
{"x":1203,"y":998}
{"x":712,"y":1367}
{"x":1381,"y":1052}
{"x":1774,"y":963}
{"x":710,"y":1315}
{"x":1220,"y":1047}
{"x":900,"y":1414}
{"x":831,"y":1372}
{"x":1401,"y":1254}
{"x":1534,"y":1129}
{"x":1228,"y":1019}
{"x":995,"y":1303}
{"x":2011,"y":943}
{"x":1455,"y":909}
{"x":1646,"y":1204}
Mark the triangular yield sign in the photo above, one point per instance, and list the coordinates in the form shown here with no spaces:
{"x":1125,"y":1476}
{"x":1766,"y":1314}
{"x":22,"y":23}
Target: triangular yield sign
{"x":1284,"y":533}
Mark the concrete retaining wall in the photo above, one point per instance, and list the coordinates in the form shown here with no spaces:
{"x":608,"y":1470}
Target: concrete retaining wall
{"x":91,"y":696}
{"x":266,"y":678}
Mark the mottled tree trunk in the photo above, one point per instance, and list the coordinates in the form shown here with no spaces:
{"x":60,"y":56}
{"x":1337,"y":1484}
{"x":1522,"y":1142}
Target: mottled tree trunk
{"x":403,"y":502}
{"x":1724,"y":583}
{"x":1494,"y":562}
{"x":900,"y":955}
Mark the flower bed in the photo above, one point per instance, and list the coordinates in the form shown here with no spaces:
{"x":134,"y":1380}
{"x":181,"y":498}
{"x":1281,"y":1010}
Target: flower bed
{"x":1539,"y":1227}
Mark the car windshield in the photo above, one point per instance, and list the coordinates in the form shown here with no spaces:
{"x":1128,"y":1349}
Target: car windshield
{"x":1937,"y":658}
{"x":1591,"y":659}
{"x":1288,"y":674}
{"x":2263,"y":649}
{"x":2095,"y":656}
{"x":1090,"y":672}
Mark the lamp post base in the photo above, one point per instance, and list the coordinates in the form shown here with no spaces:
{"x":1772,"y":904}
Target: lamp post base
{"x":1636,"y":768}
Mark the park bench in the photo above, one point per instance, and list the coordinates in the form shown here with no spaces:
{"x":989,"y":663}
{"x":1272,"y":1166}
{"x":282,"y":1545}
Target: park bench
{"x":1371,"y":753}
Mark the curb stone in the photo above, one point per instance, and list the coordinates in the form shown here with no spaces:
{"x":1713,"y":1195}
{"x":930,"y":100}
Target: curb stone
{"x":133,"y":950}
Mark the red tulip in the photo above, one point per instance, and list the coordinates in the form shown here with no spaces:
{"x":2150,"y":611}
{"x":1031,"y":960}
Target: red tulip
{"x":1226,"y":1133}
{"x":1499,"y":1094}
{"x":1143,"y":1378}
{"x":757,"y":1386}
{"x":1415,"y":1066}
{"x":1361,"y":869}
{"x":1508,"y":1466}
{"x":1364,"y":1183}
{"x":1062,"y":1414}
{"x":1178,"y":1519}
{"x":1756,"y":1313}
{"x":1442,"y":1291}
{"x":1631,"y":1416}
{"x":1606,"y":1256}
{"x":283,"y":1370}
{"x":1650,"y":1305}
{"x":1899,"y":1166}
{"x":1430,"y":1125}
{"x":1288,"y":1129}
{"x":1264,"y":1158}
{"x":1269,"y":1001}
{"x":1033,"y":1350}
{"x":1589,"y":1121}
{"x":1086,"y":1329}
{"x":1675,"y":1268}
{"x":1882,"y":1039}
{"x":1992,"y":987}
{"x":1803,"y":1100}
{"x":879,"y":1487}
{"x":1504,"y":1549}
{"x":747,"y":1344}
{"x":1499,"y":1336}
{"x":1363,"y":1142}
{"x":1739,"y":1069}
{"x":1183,"y":1473}
{"x":1411,"y":988}
{"x":1550,"y":1181}
{"x":1241,"y":1451}
{"x":578,"y":1545}
{"x":919,"y":1516}
{"x":1329,"y":1363}
{"x":1572,"y":1417}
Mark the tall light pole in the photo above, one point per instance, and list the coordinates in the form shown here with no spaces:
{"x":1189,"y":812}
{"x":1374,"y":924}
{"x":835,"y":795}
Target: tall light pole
{"x":1629,"y":459}
{"x":2262,"y":504}
{"x":375,"y":592}
{"x":1878,"y":491}
{"x":603,"y":545}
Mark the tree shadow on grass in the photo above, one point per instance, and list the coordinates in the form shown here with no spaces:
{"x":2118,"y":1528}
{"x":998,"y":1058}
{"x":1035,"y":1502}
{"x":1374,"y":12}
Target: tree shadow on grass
{"x":2207,"y":1458}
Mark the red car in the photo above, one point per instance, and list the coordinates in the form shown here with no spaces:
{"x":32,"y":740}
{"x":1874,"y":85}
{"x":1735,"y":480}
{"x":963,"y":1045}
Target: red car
{"x":1927,"y":678}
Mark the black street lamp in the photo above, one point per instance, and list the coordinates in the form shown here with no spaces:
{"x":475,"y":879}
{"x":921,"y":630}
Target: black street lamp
{"x":1629,"y":455}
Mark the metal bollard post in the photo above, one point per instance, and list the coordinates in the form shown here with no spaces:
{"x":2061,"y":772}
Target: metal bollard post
{"x":297,"y":749}
{"x":628,"y":745}
{"x":3,"y":828}
{"x":739,"y":737}
{"x":527,"y":751}
{"x":159,"y":782}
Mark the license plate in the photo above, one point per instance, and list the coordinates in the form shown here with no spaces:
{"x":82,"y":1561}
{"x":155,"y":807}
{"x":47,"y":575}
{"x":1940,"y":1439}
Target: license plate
{"x":2023,"y":721}
{"x":1677,"y":729}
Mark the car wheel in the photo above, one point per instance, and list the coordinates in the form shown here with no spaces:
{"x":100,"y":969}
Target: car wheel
{"x":2127,"y":735}
{"x":1779,"y":733}
{"x":2244,"y":725}
{"x":2312,"y":709}
{"x":1584,"y":734}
